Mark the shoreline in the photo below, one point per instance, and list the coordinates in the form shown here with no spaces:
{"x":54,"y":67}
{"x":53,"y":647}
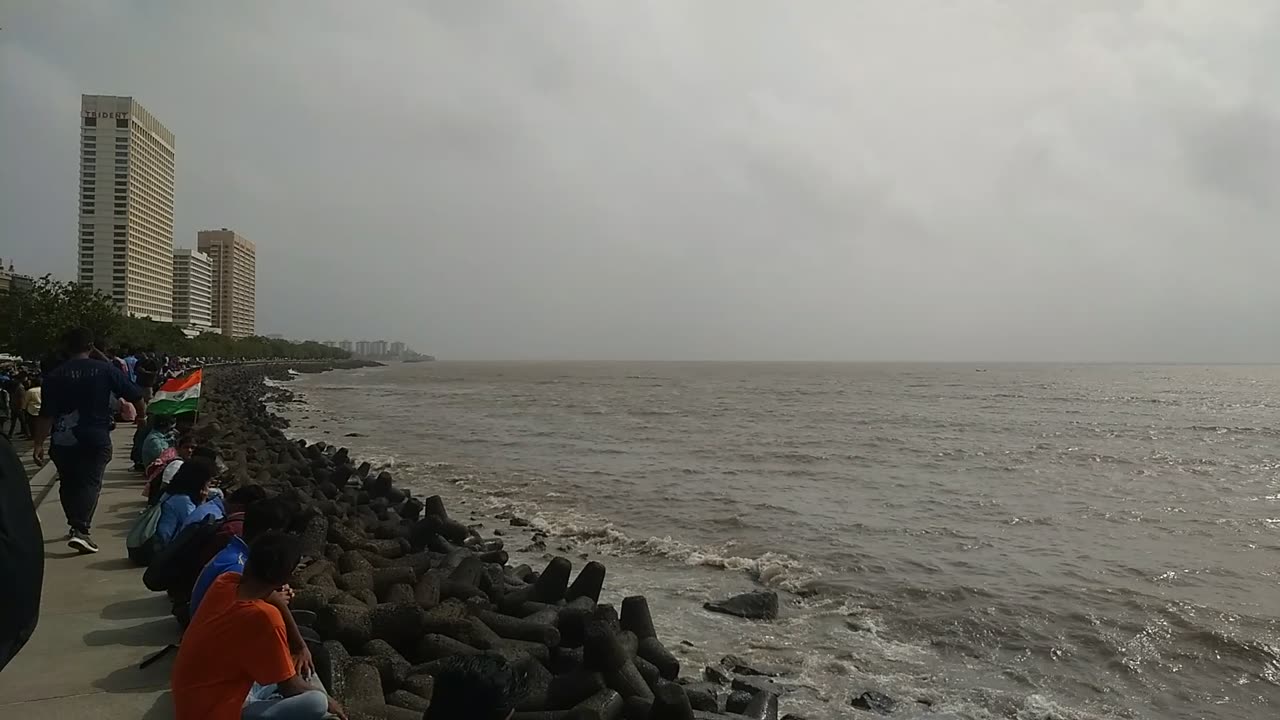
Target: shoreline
{"x":441,"y":577}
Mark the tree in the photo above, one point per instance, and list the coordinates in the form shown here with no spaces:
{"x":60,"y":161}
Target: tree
{"x":33,"y":322}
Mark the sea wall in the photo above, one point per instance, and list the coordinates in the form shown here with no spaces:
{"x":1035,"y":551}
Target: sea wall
{"x":398,"y":585}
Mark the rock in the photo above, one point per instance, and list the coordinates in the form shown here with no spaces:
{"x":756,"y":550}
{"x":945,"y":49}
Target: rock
{"x":739,"y":666}
{"x":873,"y":701}
{"x":737,"y":701}
{"x":652,"y":649}
{"x":409,"y":701}
{"x":716,"y":674}
{"x":702,"y":696}
{"x":763,"y":706}
{"x":671,"y":702}
{"x":354,"y":434}
{"x":756,"y":605}
{"x":589,"y":582}
{"x":636,"y":616}
{"x":753,"y":685}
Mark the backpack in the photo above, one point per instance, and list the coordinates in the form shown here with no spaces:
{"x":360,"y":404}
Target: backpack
{"x":176,"y":567}
{"x":141,"y":541}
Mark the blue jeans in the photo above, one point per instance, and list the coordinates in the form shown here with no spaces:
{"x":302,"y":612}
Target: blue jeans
{"x":310,"y":705}
{"x":80,"y":469}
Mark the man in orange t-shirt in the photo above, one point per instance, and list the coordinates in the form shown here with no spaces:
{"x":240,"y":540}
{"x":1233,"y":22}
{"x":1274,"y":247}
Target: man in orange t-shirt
{"x":238,"y":637}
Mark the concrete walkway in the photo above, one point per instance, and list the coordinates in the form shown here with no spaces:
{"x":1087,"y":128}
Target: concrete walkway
{"x":97,"y":620}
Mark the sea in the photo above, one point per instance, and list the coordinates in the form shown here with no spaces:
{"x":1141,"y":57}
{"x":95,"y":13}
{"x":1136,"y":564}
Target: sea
{"x":1007,"y":541}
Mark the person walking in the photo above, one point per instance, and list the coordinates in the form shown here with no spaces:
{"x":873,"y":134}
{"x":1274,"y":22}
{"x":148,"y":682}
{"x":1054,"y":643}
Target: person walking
{"x":33,"y":403}
{"x":76,"y":416}
{"x":5,"y":407}
{"x":18,"y":407}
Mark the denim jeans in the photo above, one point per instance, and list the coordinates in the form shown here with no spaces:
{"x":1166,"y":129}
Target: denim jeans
{"x":310,"y":705}
{"x":80,"y":469}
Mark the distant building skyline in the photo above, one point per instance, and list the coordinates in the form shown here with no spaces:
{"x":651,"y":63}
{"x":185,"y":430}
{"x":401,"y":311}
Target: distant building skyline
{"x":372,"y":348}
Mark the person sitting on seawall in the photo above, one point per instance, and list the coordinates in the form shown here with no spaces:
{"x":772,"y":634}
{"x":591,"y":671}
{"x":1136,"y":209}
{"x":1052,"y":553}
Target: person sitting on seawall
{"x":239,"y":638}
{"x":158,"y":440}
{"x":265,"y":516}
{"x":232,"y":526}
{"x":160,"y":473}
{"x":189,"y":488}
{"x":476,"y":687}
{"x":214,"y":506}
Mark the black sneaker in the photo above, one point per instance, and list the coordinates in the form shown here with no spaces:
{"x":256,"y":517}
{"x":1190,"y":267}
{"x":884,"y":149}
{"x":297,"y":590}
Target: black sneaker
{"x":82,"y":543}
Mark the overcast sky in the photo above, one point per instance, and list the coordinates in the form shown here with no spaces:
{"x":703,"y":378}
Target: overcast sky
{"x":901,"y":179}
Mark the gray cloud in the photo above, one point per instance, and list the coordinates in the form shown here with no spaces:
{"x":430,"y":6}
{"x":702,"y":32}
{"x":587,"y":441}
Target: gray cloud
{"x":847,"y":180}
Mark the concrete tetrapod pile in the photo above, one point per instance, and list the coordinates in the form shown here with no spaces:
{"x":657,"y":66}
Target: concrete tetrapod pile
{"x":397,"y":586}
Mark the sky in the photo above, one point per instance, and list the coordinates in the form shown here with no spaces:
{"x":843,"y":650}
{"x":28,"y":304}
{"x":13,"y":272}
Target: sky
{"x":1093,"y":180}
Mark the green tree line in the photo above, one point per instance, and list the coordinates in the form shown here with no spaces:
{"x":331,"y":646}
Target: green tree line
{"x":33,"y":321}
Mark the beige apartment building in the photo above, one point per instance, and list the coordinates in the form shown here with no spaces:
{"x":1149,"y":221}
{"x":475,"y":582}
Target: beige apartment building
{"x":192,"y":291}
{"x":235,"y":280}
{"x":126,"y":205}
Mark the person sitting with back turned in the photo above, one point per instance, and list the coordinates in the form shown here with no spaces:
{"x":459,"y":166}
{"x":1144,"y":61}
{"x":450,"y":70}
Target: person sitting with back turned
{"x":158,"y":440}
{"x":189,"y":488}
{"x":160,"y":473}
{"x":261,"y":518}
{"x":232,"y":526}
{"x":238,"y":638}
{"x":476,"y":687}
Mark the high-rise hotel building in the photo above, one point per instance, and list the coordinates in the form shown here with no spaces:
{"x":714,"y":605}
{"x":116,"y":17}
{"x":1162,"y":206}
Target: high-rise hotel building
{"x":126,"y":205}
{"x":235,"y":280}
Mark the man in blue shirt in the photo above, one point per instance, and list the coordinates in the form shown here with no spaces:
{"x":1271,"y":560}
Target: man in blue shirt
{"x":260,"y":517}
{"x":76,"y":417}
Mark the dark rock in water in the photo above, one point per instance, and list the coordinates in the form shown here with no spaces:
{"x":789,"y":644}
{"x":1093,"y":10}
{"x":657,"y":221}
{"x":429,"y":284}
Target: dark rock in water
{"x":753,"y":685}
{"x":737,"y":702}
{"x":671,"y":702}
{"x":354,"y":434}
{"x":763,"y":706}
{"x":604,"y":705}
{"x":636,"y":617}
{"x":654,"y":651}
{"x":756,"y":605}
{"x":716,"y":674}
{"x":519,"y":522}
{"x":739,"y":666}
{"x":703,"y":696}
{"x":589,"y":583}
{"x":553,"y":581}
{"x":873,"y":701}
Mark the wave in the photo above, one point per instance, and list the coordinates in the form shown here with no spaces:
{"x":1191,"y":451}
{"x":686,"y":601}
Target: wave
{"x":775,"y":570}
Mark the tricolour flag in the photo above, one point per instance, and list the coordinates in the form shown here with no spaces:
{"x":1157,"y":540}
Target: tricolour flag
{"x":179,"y":395}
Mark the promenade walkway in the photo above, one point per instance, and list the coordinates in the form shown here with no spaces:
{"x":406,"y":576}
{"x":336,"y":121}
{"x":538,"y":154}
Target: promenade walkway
{"x":97,"y":620}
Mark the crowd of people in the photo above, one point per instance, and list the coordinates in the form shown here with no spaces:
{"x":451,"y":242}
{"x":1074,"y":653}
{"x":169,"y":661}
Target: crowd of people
{"x":224,"y":554}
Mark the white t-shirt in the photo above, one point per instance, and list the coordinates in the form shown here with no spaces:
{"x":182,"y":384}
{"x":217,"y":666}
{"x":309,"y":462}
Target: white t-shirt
{"x":169,"y":471}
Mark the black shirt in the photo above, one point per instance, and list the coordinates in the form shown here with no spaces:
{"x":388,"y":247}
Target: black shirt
{"x":21,"y":556}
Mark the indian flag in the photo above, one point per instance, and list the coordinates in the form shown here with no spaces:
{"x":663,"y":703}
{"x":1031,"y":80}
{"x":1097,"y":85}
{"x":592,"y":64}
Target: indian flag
{"x":179,"y":395}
